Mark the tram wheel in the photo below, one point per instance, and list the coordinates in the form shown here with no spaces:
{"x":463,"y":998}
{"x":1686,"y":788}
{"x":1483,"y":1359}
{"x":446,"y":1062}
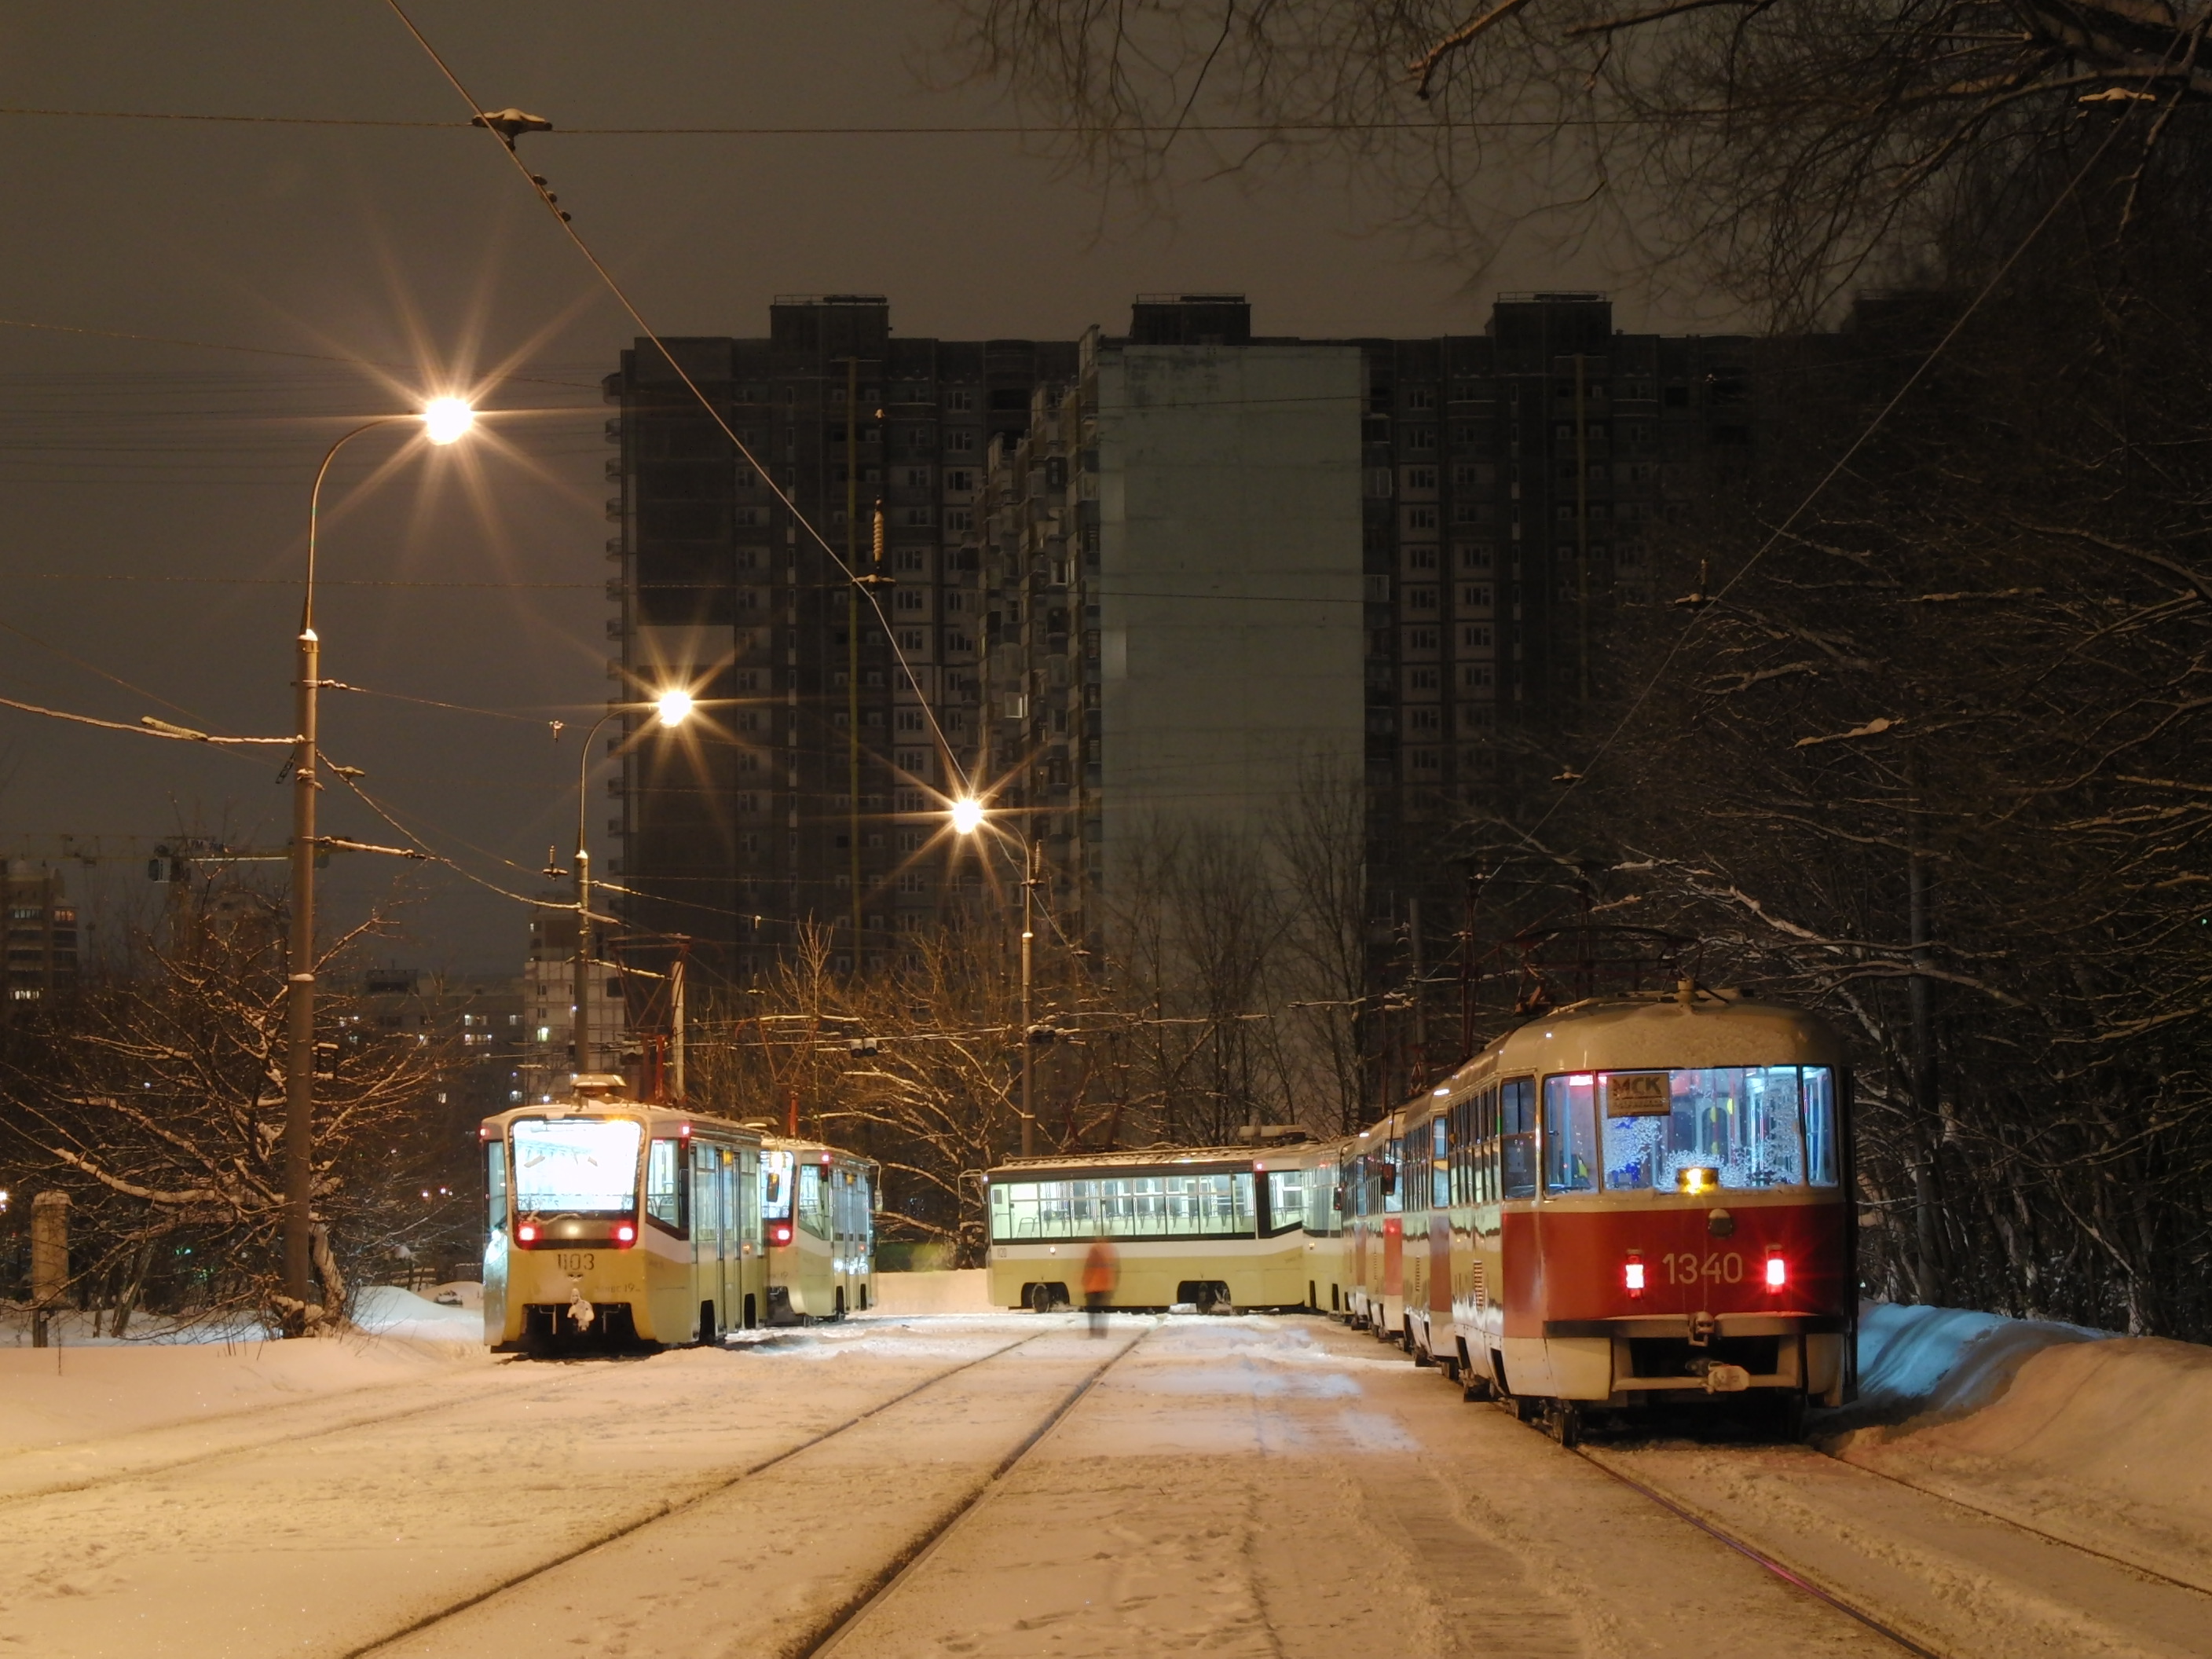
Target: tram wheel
{"x":1565,"y":1424}
{"x":1475,"y":1389}
{"x":1041,"y":1299}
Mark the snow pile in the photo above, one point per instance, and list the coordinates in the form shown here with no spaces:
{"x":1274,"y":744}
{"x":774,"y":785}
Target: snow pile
{"x":1915,"y":1361}
{"x":2103,"y":1442}
{"x":387,"y":1310}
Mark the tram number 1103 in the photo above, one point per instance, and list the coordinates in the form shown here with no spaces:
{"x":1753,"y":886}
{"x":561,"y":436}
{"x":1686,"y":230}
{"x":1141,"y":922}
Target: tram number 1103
{"x":576,"y":1261}
{"x":1687,"y":1268}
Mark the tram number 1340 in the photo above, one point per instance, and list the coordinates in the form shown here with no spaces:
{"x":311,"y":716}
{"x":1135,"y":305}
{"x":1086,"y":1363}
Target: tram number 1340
{"x":1686,"y":1267}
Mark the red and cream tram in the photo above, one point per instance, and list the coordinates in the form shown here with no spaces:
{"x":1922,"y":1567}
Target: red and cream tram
{"x":1624,"y":1201}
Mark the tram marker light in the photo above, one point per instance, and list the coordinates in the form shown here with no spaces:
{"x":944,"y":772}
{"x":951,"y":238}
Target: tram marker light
{"x":780,"y":1233}
{"x":527,"y":1233}
{"x":1632,"y":1272}
{"x":625,"y":1234}
{"x":1778,"y":1273}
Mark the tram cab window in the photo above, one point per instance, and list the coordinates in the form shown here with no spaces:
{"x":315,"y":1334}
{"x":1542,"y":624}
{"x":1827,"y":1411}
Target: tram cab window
{"x":1571,"y":1133}
{"x":1517,"y":1139}
{"x":1755,"y":1126}
{"x":495,"y":1182}
{"x":574,"y":1166}
{"x":813,"y":1206}
{"x":664,"y":1182}
{"x":775,"y":1172}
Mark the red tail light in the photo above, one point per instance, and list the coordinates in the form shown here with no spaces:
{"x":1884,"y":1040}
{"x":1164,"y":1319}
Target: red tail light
{"x":1631,"y":1274}
{"x":779,"y":1234}
{"x":1778,"y":1273}
{"x":527,"y":1233}
{"x":625,"y":1234}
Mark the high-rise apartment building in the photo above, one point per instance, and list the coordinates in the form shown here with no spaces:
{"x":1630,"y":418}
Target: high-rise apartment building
{"x":819,"y":763}
{"x":41,"y":931}
{"x":1497,"y":492}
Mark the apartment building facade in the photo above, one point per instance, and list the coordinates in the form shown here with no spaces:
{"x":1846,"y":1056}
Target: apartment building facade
{"x":831,"y":709}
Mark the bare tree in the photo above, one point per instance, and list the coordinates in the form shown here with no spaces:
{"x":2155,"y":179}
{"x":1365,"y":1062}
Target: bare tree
{"x":157,"y":1099}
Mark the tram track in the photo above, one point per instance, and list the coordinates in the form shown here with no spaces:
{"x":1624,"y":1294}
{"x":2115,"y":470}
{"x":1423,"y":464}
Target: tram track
{"x":863,"y":1604}
{"x":672,"y":1508}
{"x":1752,"y":1552}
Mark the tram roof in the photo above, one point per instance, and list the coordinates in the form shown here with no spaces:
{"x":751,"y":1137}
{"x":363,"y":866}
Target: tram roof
{"x":1282,"y":1152}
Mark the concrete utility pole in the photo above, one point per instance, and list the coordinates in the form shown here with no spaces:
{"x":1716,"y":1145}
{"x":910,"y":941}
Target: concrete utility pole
{"x":50,"y":1270}
{"x":1029,"y":1044}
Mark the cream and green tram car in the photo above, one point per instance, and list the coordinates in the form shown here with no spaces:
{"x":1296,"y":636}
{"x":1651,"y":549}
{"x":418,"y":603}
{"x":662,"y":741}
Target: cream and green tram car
{"x":615,"y":1223}
{"x":1211,"y":1227}
{"x":818,"y":1209}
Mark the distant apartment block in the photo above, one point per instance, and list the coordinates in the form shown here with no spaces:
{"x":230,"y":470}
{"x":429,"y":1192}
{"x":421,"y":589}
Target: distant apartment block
{"x":41,"y":933}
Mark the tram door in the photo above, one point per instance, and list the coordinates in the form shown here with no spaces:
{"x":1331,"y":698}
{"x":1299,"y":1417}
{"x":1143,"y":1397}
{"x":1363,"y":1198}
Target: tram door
{"x":851,"y":1221}
{"x":708,"y":1188}
{"x":744,"y":1262}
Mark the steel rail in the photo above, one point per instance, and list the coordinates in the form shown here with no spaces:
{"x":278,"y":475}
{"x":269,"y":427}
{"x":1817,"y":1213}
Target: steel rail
{"x":895,"y":1573}
{"x":673,"y":1506}
{"x":1751,"y":1553}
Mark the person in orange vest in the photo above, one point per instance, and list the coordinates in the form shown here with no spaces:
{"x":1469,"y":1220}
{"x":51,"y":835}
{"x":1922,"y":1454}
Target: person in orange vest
{"x":1101,"y":1268}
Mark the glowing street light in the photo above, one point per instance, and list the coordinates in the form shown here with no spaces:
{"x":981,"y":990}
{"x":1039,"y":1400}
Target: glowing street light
{"x":967,"y":815}
{"x":674,"y":706}
{"x":445,"y":420}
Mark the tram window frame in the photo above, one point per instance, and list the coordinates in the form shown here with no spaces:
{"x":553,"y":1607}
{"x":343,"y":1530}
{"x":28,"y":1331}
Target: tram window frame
{"x":1277,"y":1209}
{"x":1392,"y":1173}
{"x":1572,"y":1153}
{"x":818,"y":1213}
{"x":1517,"y":1149}
{"x":496,"y":1183}
{"x":1440,"y":1169}
{"x":665,"y":1178}
{"x":1751,"y":1139}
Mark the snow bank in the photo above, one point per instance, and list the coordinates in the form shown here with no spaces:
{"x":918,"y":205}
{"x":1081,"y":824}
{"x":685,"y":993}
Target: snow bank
{"x":963,"y":1291}
{"x":2105,"y":1441}
{"x":387,"y":1310}
{"x":1915,"y":1361}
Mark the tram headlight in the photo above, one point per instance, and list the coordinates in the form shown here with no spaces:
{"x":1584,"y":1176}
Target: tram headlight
{"x":1694,"y":1179}
{"x":1778,"y":1273}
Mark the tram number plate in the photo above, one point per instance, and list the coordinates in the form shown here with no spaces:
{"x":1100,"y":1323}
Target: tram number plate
{"x":1687,"y":1268}
{"x":575,"y":1261}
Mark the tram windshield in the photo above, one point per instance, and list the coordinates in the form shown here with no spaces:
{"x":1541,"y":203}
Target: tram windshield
{"x":1733,"y":1127}
{"x":776,"y":1171}
{"x":580,"y":1166}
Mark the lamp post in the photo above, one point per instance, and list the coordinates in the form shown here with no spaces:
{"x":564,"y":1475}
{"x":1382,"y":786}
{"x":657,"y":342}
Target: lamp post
{"x":444,"y":421}
{"x":967,"y":819}
{"x":673,"y":707}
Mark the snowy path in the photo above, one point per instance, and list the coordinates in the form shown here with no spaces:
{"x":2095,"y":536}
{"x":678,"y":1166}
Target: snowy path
{"x":1242,"y":1487}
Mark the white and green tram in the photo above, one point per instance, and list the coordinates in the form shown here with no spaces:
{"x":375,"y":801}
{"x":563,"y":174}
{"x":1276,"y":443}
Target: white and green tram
{"x":1209,"y":1227}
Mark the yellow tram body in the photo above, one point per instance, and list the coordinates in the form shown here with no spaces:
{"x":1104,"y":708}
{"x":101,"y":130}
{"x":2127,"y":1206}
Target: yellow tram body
{"x":817,"y":1218}
{"x":615,"y":1221}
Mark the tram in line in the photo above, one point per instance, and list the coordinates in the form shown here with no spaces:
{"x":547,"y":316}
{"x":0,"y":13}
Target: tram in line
{"x":613,"y":1222}
{"x":817,"y":1217}
{"x":1209,"y":1227}
{"x":1624,"y":1200}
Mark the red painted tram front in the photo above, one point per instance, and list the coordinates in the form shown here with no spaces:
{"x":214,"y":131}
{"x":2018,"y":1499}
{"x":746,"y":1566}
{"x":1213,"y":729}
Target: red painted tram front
{"x":1640,"y":1199}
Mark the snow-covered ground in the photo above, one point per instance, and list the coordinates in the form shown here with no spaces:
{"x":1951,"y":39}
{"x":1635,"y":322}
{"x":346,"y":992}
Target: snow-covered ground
{"x":1262,"y":1486}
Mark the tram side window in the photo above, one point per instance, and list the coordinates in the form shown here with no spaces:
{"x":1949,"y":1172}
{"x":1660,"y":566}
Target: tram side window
{"x":1517,"y":1138}
{"x":1570,"y":1155}
{"x":813,"y":1208}
{"x":1440,"y":1169}
{"x":664,"y":1182}
{"x":495,"y":1182}
{"x":1487,"y":1132}
{"x":1393,"y":1199}
{"x":1322,"y":1198}
{"x":1819,"y":1098}
{"x":1286,"y":1201}
{"x":775,"y":1171}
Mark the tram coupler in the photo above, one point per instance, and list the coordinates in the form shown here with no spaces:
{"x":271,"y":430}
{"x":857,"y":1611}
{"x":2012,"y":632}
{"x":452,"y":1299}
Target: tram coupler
{"x":1702,"y":1327}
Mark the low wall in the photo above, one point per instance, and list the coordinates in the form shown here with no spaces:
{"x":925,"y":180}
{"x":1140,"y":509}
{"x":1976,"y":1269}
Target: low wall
{"x":961,"y":1290}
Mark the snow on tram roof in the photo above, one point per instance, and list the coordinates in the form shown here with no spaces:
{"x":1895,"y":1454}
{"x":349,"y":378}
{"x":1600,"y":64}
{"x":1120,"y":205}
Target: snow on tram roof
{"x":1159,"y":1157}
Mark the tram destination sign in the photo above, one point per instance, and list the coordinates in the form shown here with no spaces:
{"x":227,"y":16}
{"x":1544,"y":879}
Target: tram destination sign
{"x":1638,"y":1094}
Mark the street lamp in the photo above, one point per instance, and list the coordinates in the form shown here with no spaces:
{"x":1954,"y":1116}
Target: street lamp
{"x":444,"y":420}
{"x":673,"y":706}
{"x":967,"y":819}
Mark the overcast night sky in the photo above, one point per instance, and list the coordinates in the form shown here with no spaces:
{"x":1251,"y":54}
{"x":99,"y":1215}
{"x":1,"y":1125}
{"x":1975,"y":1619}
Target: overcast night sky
{"x":153,"y":496}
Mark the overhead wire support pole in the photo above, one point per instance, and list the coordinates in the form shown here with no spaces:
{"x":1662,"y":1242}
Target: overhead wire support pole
{"x":853,"y":640}
{"x":1029,"y":1042}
